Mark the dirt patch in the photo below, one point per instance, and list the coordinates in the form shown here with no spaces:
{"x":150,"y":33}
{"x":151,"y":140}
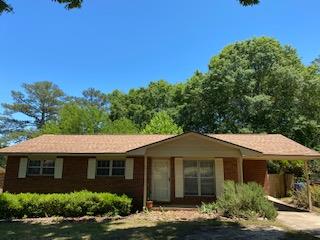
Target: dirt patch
{"x":154,"y":225}
{"x":172,"y":216}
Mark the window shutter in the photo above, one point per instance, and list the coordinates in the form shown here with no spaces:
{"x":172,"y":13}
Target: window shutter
{"x":23,"y":168}
{"x":178,"y":172}
{"x":129,"y":168}
{"x":58,"y":168}
{"x":219,"y":176}
{"x":91,"y":174}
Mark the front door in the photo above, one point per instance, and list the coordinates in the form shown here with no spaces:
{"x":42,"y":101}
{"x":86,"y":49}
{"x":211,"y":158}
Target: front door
{"x":161,"y":180}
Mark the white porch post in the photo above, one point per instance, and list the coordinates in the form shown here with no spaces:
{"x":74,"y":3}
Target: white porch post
{"x":145,"y":181}
{"x":306,"y":169}
{"x":240,"y":170}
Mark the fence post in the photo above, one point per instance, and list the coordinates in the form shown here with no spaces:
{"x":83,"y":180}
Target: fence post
{"x":306,"y":169}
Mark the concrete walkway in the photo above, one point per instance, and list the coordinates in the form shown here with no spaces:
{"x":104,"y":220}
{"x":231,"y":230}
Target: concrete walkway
{"x":301,"y":221}
{"x":296,"y":218}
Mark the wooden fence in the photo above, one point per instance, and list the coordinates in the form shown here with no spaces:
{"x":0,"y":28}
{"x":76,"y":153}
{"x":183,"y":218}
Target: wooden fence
{"x":280,"y":184}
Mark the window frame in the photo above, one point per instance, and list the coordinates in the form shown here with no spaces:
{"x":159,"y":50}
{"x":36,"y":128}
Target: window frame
{"x":199,"y":178}
{"x":111,"y":167}
{"x":41,"y":167}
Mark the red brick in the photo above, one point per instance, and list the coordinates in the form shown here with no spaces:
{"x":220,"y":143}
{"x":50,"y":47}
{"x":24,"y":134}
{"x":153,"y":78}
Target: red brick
{"x":256,"y":171}
{"x":74,"y":178}
{"x":230,"y":169}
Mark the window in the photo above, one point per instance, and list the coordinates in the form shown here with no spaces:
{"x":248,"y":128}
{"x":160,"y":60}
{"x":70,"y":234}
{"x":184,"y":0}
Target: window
{"x":199,"y":178}
{"x":40,"y":168}
{"x":110,"y":167}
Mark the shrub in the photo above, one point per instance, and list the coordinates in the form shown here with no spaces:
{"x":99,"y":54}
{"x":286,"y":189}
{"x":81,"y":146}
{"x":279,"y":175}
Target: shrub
{"x":66,"y":204}
{"x":243,"y":201}
{"x":208,"y":208}
{"x":300,"y":197}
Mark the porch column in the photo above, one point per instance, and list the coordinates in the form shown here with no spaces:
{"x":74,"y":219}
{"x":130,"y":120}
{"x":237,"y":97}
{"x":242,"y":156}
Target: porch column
{"x":240,"y":169}
{"x":145,"y":181}
{"x":306,"y":169}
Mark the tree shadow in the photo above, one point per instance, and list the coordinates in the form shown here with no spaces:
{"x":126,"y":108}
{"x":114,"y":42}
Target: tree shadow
{"x":197,"y":230}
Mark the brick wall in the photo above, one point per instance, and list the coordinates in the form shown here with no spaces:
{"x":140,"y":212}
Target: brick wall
{"x":74,"y":178}
{"x":230,"y":167}
{"x":256,"y":171}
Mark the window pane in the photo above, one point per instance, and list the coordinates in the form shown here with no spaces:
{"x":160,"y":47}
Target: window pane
{"x":33,"y":171}
{"x":34,"y":163}
{"x":207,"y":186}
{"x":48,"y":163}
{"x":103,"y":163}
{"x":118,"y":172}
{"x":191,"y":186}
{"x":48,"y":171}
{"x":118,"y":163}
{"x":206,"y":168}
{"x":190,"y":168}
{"x":103,"y":171}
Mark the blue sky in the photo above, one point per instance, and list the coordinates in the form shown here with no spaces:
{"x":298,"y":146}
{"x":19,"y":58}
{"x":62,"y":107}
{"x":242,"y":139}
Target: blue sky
{"x":120,"y":44}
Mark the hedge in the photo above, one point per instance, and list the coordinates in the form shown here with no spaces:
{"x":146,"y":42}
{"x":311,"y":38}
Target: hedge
{"x":73,"y":204}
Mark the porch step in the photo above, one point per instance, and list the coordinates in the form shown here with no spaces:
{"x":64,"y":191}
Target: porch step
{"x":175,"y":208}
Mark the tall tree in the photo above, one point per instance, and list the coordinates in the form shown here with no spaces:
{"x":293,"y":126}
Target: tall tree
{"x":316,"y":62}
{"x":162,"y":123}
{"x":75,"y":118}
{"x":139,"y":105}
{"x":190,"y":105}
{"x":121,"y":126}
{"x":78,"y":119}
{"x":94,"y":97}
{"x":254,"y":86}
{"x":37,"y":104}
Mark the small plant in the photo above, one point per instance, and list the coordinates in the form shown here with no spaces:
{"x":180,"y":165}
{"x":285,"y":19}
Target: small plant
{"x":149,"y":201}
{"x":208,"y":208}
{"x":73,"y":204}
{"x":243,"y":201}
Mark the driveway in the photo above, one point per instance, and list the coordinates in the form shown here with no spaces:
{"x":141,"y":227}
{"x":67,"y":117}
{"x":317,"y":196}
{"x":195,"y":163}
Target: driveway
{"x":301,"y":221}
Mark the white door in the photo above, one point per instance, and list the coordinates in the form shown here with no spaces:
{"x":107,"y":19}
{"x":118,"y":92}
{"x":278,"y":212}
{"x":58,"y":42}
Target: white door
{"x":161,"y":180}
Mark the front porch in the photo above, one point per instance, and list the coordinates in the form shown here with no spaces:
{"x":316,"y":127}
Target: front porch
{"x":191,"y":168}
{"x":176,"y":182}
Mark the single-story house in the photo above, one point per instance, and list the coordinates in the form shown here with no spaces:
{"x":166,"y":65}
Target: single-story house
{"x":178,"y":169}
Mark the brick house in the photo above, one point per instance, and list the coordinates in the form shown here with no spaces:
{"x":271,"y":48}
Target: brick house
{"x":178,"y":169}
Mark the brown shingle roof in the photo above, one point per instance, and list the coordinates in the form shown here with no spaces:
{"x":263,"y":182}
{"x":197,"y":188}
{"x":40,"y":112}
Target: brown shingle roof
{"x":271,"y":144}
{"x":83,"y":143}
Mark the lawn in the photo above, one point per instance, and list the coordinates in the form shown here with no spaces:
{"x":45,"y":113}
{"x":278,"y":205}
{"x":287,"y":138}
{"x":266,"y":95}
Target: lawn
{"x":153,"y":225}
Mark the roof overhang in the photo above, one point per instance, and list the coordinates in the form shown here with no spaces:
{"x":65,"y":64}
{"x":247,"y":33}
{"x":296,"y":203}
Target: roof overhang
{"x":285,"y":157}
{"x":62,"y":154}
{"x":244,"y":151}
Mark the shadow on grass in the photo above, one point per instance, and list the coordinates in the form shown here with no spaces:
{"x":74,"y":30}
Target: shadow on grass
{"x":202,"y":229}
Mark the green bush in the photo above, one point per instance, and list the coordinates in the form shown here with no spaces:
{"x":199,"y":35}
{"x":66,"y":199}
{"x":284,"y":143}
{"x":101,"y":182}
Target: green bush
{"x":208,"y":208}
{"x":65,"y":204}
{"x":300,"y":197}
{"x":243,"y":201}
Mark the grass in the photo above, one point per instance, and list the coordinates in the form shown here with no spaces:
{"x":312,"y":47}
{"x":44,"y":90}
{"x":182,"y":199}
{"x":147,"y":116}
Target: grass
{"x":133,"y":227}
